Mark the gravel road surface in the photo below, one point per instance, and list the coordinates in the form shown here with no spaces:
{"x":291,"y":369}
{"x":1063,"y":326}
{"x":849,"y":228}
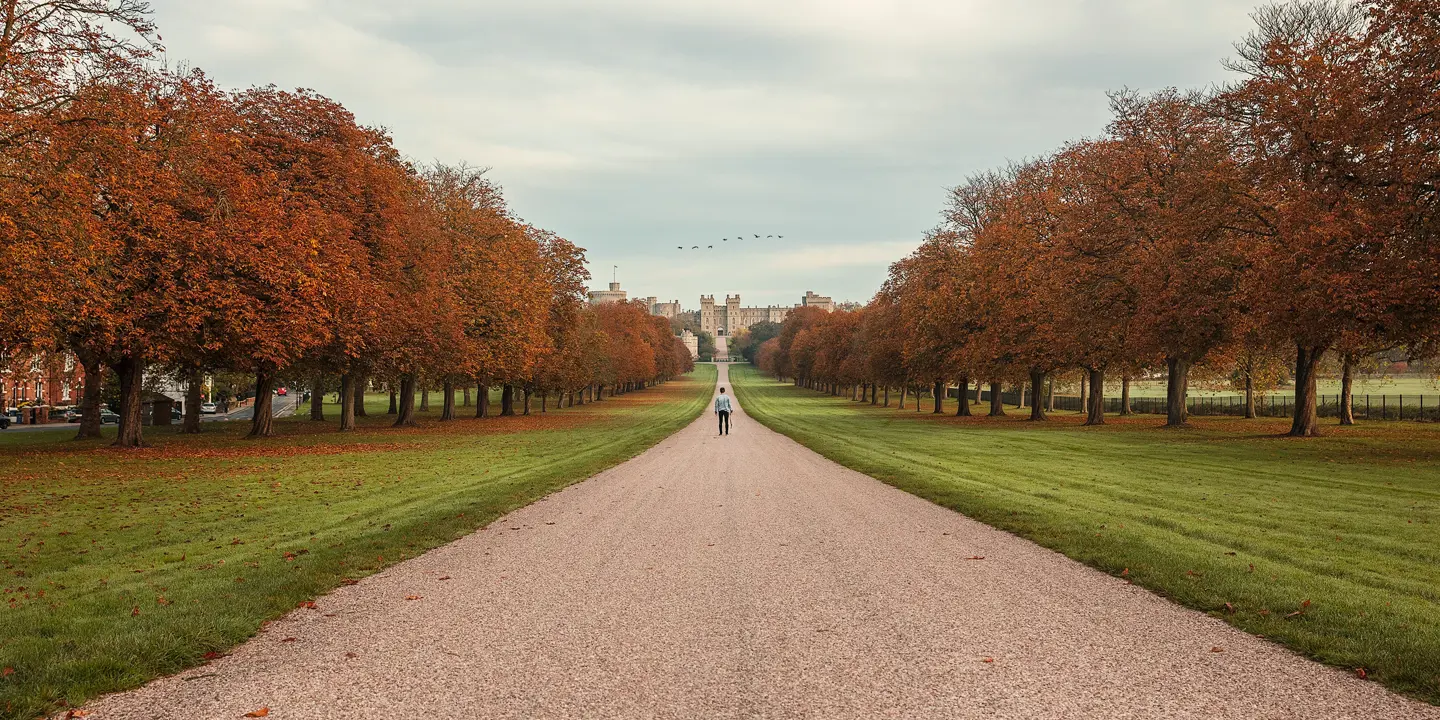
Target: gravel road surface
{"x":747,"y":577}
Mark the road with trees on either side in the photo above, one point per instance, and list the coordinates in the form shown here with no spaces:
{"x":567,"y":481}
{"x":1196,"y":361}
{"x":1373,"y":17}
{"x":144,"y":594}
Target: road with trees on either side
{"x":746,"y":576}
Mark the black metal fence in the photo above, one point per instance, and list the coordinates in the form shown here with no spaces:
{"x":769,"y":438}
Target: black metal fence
{"x":1421,"y":408}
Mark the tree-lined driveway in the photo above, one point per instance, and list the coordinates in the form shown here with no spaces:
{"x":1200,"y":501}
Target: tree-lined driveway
{"x":746,"y":576}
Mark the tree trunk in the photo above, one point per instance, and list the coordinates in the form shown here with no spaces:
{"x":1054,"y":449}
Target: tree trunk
{"x":447,"y":408}
{"x":1306,"y":422}
{"x":1037,"y":386}
{"x":1084,"y":392}
{"x":482,"y":401}
{"x":466,"y":402}
{"x":425,"y":399}
{"x":132,"y":374}
{"x":394,"y":400}
{"x":1177,"y":390}
{"x":904,"y":390}
{"x":527,"y":401}
{"x":939,"y":397}
{"x":1347,"y":387}
{"x":1125,"y":410}
{"x":317,"y":399}
{"x":507,"y":401}
{"x":1050,"y":394}
{"x":1249,"y":395}
{"x":544,"y":402}
{"x":406,"y":415}
{"x":997,"y":400}
{"x":360,"y":382}
{"x":1096,"y":414}
{"x":193,"y":397}
{"x":90,"y":400}
{"x":347,"y":402}
{"x":887,"y":395}
{"x":262,"y":420}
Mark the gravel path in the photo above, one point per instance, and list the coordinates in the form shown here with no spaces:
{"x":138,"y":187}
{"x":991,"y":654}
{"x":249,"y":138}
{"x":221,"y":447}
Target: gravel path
{"x":749,"y":577}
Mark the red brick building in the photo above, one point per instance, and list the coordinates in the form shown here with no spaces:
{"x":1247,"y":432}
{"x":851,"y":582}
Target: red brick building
{"x":53,"y":379}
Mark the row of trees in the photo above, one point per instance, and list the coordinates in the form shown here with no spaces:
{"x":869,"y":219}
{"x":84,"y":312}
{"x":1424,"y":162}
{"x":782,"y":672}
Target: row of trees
{"x":1294,"y":211}
{"x":151,"y":222}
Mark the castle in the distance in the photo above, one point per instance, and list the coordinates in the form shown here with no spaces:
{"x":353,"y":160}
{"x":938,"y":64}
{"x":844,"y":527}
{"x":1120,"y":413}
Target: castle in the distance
{"x":728,"y":319}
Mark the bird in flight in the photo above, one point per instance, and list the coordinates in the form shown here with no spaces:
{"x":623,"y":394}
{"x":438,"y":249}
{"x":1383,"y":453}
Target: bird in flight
{"x":697,"y":247}
{"x":712,"y":247}
{"x":757,"y":237}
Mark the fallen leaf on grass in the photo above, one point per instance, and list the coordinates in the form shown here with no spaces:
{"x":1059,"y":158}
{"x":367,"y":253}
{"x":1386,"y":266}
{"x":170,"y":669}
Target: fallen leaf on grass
{"x":1229,"y":608}
{"x":262,"y":712}
{"x":1360,"y":672}
{"x":1125,"y":572}
{"x":135,"y":612}
{"x":212,"y":655}
{"x":414,"y":597}
{"x":348,"y":581}
{"x":7,"y":672}
{"x":308,"y":604}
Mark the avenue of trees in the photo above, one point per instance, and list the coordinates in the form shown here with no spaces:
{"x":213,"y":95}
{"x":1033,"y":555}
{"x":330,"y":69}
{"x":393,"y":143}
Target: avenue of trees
{"x":153,"y":223}
{"x":1290,"y":217}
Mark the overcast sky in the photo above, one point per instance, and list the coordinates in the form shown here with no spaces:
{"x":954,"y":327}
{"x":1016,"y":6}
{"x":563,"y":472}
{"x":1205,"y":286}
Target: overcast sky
{"x":633,"y":127}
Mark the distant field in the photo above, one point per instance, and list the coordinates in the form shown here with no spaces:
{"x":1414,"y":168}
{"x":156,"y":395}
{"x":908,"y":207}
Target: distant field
{"x":1412,"y":386}
{"x":1330,"y":546}
{"x":121,"y":566}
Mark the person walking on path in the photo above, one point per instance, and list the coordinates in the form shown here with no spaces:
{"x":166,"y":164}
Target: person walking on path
{"x":722,"y":411}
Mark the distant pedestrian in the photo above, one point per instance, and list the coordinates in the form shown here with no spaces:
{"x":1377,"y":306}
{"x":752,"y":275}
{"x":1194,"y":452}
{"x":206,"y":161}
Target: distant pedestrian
{"x":722,"y":411}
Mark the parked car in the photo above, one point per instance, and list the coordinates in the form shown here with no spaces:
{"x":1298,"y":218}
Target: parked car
{"x":207,"y":409}
{"x":4,"y":422}
{"x":108,"y":417}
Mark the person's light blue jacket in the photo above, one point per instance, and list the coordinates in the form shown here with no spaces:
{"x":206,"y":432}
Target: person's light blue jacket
{"x":722,"y":403}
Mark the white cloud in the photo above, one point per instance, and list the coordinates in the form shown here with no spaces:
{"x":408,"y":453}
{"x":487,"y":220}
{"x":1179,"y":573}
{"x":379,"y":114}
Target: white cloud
{"x":633,"y":126}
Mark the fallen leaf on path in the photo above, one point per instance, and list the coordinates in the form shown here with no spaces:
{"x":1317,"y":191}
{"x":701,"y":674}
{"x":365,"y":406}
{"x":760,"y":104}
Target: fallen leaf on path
{"x":348,"y":581}
{"x":290,"y":639}
{"x":308,"y":604}
{"x":1360,"y":672}
{"x":351,"y":655}
{"x":212,"y":655}
{"x":262,"y":712}
{"x":1125,"y":572}
{"x":1217,"y":649}
{"x":447,"y":577}
{"x":989,"y":660}
{"x":77,"y":713}
{"x":976,"y":557}
{"x":414,"y":597}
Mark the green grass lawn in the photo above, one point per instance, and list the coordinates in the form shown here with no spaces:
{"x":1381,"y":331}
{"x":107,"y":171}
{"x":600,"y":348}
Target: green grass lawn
{"x":1230,"y":518}
{"x":123,"y":566}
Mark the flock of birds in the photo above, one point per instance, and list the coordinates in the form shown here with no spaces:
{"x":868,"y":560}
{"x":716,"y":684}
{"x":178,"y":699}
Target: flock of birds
{"x":738,"y":238}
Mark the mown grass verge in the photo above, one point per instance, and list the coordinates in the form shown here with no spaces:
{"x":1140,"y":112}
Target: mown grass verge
{"x":122,"y":566}
{"x":1330,"y":546}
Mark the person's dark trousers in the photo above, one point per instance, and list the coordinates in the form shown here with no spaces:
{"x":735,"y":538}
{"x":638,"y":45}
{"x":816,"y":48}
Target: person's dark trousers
{"x":724,"y":422}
